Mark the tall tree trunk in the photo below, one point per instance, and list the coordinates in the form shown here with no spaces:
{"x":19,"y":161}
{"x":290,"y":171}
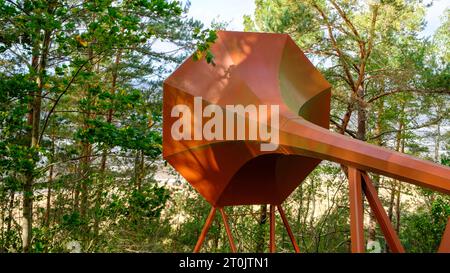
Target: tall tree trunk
{"x":395,"y":183}
{"x":136,"y":168}
{"x":139,"y":171}
{"x":437,"y":144}
{"x":50,"y":183}
{"x":391,"y":206}
{"x":299,"y":216}
{"x":362,"y":116}
{"x":372,"y":218}
{"x":217,"y":237}
{"x":391,"y":200}
{"x":376,"y":178}
{"x":27,"y":198}
{"x":34,"y":121}
{"x":361,"y":135}
{"x":10,"y":218}
{"x":397,"y":207}
{"x":3,"y":209}
{"x":27,"y":213}
{"x":86,"y":147}
{"x":76,"y":190}
{"x":85,"y":175}
{"x":49,"y":197}
{"x":109,"y":119}
{"x":437,"y":158}
{"x":260,"y":243}
{"x":398,"y":202}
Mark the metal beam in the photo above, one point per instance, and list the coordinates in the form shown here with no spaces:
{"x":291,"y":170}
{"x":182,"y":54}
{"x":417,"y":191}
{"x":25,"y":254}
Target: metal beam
{"x":227,"y":228}
{"x":445,"y":242}
{"x":356,"y":211}
{"x":288,"y":229}
{"x":205,"y":229}
{"x":380,"y":214}
{"x":272,"y":229}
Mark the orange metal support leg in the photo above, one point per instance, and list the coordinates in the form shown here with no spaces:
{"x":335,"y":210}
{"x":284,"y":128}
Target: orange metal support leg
{"x":356,"y":210}
{"x":227,"y":228}
{"x":272,"y":229}
{"x":205,"y":229}
{"x":385,"y":224}
{"x":445,"y":242}
{"x":288,"y":228}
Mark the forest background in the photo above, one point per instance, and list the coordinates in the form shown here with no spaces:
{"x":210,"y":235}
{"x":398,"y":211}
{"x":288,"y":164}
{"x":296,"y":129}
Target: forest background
{"x":80,"y":115}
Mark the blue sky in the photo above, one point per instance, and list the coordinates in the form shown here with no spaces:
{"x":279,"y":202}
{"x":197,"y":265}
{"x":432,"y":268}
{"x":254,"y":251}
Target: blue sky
{"x":232,"y":11}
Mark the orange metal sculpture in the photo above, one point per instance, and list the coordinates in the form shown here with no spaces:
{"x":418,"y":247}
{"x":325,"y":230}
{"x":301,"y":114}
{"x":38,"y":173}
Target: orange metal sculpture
{"x":265,"y":69}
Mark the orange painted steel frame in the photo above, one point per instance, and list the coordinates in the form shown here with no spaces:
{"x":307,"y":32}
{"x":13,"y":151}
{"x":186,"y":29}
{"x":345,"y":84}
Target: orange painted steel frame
{"x":445,"y":243}
{"x":269,"y":69}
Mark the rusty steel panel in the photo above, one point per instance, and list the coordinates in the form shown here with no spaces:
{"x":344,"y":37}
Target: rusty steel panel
{"x":288,"y":229}
{"x":205,"y":230}
{"x":272,"y":247}
{"x":380,"y":214}
{"x":356,"y":211}
{"x":444,"y":247}
{"x":228,"y":230}
{"x":269,"y":69}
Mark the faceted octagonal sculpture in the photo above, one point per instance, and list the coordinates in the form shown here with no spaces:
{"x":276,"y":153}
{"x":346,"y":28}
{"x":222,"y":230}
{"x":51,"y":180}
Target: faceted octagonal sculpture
{"x":257,"y":70}
{"x":250,"y":69}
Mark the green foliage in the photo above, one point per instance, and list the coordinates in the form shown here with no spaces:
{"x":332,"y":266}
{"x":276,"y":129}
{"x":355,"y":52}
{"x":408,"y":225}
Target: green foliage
{"x":208,"y":37}
{"x":91,"y":72}
{"x":135,"y":138}
{"x":15,"y":94}
{"x":422,"y":231}
{"x":148,"y":202}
